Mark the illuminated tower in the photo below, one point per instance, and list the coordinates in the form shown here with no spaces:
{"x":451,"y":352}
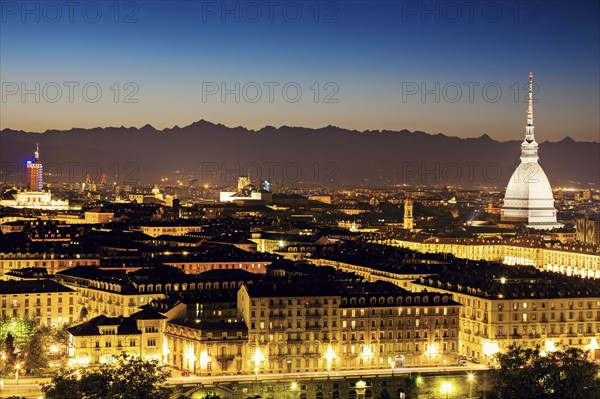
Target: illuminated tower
{"x":528,"y":196}
{"x":34,"y":172}
{"x":243,"y":182}
{"x":408,"y":222}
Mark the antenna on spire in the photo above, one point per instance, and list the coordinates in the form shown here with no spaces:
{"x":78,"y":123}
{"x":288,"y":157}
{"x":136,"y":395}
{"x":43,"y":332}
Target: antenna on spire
{"x":37,"y":152}
{"x":530,"y":105}
{"x":529,"y":135}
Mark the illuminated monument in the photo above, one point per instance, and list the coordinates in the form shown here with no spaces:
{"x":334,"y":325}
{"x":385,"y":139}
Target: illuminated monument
{"x":35,"y":178}
{"x":34,"y":197}
{"x":529,"y":197}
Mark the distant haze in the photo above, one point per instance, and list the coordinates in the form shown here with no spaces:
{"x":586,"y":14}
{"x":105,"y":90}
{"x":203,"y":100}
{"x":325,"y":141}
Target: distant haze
{"x":204,"y":152}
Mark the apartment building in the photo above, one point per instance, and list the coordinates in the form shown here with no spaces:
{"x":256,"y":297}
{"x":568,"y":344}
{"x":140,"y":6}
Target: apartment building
{"x":44,"y":301}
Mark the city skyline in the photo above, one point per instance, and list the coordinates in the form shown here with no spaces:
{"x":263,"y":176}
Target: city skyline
{"x":299,"y":199}
{"x":459,"y":70}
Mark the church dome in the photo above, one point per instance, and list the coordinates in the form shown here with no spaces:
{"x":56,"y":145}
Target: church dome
{"x":529,"y":182}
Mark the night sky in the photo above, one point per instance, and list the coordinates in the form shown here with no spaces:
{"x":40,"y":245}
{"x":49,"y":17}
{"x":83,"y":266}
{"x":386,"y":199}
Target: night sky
{"x":358,"y":64}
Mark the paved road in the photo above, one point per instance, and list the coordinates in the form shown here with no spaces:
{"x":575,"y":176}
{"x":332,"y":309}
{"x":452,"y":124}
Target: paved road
{"x":208,"y":380}
{"x":30,"y":387}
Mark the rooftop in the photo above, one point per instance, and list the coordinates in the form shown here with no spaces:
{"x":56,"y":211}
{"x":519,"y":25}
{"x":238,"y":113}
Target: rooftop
{"x":31,"y":287}
{"x":496,"y":281}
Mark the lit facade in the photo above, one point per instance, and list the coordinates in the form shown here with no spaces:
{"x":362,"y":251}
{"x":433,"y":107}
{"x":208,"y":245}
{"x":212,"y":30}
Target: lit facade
{"x":44,"y":301}
{"x":490,"y":325}
{"x":157,"y":229}
{"x":35,"y":177}
{"x":588,"y":229}
{"x":408,"y":221}
{"x":35,"y":200}
{"x":52,"y":262}
{"x":99,"y":339}
{"x":325,"y":329}
{"x":569,"y":260}
{"x":207,"y":348}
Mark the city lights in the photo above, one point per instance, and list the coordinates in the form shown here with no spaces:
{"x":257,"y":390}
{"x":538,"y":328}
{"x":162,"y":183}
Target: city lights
{"x":446,"y":388}
{"x":299,"y":200}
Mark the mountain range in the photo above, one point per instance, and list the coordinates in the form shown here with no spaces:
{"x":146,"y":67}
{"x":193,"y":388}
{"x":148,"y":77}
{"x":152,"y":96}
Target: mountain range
{"x":204,"y":152}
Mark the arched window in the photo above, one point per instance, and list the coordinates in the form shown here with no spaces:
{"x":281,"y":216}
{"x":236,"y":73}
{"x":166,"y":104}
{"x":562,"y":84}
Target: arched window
{"x":319,"y":395}
{"x":336,"y":395}
{"x":352,"y":394}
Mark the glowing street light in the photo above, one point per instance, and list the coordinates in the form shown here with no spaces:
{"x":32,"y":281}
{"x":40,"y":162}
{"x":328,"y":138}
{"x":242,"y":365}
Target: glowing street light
{"x":360,"y":388}
{"x":367,"y":353}
{"x":204,"y":360}
{"x":258,"y":358}
{"x":330,"y":356}
{"x":191,"y":356}
{"x":17,"y":369}
{"x":446,"y":388}
{"x":418,"y":382}
{"x":471,"y":379}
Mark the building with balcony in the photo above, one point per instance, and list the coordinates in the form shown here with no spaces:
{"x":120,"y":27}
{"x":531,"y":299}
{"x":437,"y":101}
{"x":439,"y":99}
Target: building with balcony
{"x":504,"y":306}
{"x":44,"y":301}
{"x":99,"y":339}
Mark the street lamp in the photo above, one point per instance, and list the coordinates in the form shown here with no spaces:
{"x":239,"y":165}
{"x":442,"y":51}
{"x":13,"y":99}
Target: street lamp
{"x":418,"y":381}
{"x":258,"y":358}
{"x":204,"y":360}
{"x":330,"y":356}
{"x":446,"y":388}
{"x":361,"y":388}
{"x":191,"y":357}
{"x":17,"y":368}
{"x":471,"y":379}
{"x":392,"y":363}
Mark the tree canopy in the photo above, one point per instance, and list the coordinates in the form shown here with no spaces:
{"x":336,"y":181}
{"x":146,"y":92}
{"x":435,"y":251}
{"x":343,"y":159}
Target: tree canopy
{"x":124,"y":378}
{"x":534,"y":374}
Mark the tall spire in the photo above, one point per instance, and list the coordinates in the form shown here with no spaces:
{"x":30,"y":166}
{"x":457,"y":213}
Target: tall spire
{"x":529,"y":135}
{"x":529,"y":148}
{"x":37,"y":153}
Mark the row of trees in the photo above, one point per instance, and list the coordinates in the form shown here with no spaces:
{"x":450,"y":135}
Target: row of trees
{"x":535,"y":374}
{"x":123,"y":378}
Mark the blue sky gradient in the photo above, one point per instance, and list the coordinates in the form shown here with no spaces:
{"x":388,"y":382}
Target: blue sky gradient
{"x":370,"y":52}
